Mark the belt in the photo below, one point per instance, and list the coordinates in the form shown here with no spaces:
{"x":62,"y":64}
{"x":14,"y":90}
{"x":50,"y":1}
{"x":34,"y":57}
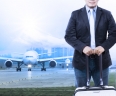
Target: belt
{"x":92,"y":56}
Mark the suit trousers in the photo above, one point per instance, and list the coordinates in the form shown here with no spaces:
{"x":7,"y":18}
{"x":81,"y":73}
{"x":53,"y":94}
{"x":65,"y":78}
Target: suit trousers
{"x":81,"y":75}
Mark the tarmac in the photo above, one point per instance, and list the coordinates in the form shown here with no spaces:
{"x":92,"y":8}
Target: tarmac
{"x":52,"y":77}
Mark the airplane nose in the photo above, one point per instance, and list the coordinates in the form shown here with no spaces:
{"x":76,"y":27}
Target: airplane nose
{"x":29,"y":62}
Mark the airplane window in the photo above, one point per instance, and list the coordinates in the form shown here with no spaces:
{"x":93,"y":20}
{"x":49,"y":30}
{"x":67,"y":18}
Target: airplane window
{"x":28,"y":56}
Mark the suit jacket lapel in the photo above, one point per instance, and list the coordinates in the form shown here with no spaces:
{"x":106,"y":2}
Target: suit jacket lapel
{"x":98,"y":15}
{"x":85,"y":17}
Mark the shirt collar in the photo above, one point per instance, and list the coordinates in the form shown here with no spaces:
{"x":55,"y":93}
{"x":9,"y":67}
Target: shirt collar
{"x":87,"y":8}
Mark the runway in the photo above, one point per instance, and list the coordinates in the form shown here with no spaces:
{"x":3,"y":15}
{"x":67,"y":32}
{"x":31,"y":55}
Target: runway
{"x":53,"y":77}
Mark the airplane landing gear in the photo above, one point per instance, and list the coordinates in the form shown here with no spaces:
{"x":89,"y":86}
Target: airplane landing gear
{"x":18,"y":68}
{"x":43,"y":67}
{"x":29,"y":69}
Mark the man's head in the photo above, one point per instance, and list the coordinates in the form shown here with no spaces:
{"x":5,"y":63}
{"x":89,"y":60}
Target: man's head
{"x":91,"y":3}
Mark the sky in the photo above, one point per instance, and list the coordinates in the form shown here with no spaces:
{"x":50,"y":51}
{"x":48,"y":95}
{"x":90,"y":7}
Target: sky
{"x":39,"y":23}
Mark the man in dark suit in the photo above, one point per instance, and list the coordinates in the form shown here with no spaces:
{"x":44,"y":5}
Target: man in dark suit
{"x":91,"y":31}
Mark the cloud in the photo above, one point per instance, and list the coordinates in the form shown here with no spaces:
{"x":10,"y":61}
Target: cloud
{"x":40,"y":40}
{"x":27,"y":23}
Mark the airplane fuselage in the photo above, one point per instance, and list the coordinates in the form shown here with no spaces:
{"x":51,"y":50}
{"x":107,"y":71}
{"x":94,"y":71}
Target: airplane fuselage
{"x":30,"y":58}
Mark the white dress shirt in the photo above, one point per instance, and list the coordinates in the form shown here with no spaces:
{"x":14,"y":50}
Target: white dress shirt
{"x":92,"y":26}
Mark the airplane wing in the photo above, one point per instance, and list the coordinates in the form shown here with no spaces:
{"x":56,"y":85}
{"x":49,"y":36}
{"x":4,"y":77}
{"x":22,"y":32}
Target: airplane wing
{"x":56,"y":58}
{"x":13,"y":59}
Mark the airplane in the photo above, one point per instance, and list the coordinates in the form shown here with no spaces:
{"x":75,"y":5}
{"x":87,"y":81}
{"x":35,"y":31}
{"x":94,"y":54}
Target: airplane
{"x":31,"y":58}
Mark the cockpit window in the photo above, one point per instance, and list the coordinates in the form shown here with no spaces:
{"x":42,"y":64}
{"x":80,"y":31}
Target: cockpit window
{"x":28,"y":56}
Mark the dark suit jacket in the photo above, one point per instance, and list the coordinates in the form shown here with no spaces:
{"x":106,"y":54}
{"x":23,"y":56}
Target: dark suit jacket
{"x":78,"y":35}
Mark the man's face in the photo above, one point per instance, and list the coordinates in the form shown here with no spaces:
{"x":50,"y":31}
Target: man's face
{"x":91,"y":3}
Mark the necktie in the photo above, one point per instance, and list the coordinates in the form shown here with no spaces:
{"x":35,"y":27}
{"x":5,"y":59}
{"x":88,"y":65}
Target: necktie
{"x":92,"y":29}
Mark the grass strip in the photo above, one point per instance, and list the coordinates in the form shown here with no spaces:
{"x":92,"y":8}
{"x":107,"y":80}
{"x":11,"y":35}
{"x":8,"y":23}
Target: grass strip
{"x":52,"y":91}
{"x":58,"y":91}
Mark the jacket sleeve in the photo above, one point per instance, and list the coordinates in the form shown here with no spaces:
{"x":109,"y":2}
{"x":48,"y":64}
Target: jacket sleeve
{"x":70,"y":35}
{"x":111,"y":39}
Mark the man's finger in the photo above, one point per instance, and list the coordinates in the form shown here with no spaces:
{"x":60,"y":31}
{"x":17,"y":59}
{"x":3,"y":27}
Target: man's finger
{"x":93,"y":51}
{"x":99,"y":53}
{"x":87,"y":54}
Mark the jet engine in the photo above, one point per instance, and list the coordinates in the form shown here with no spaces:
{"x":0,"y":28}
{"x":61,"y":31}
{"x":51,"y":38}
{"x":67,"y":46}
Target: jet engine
{"x":8,"y":63}
{"x":52,"y":63}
